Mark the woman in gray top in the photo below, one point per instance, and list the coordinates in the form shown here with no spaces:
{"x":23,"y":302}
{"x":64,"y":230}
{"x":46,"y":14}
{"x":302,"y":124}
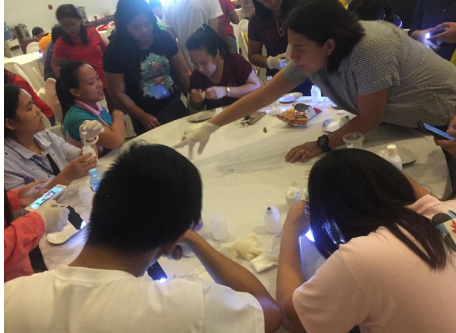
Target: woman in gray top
{"x":371,"y":69}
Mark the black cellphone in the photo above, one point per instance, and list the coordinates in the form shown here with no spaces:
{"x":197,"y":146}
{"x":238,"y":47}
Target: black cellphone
{"x":437,"y":32}
{"x":438,"y":134}
{"x":156,"y":272}
{"x":75,"y":219}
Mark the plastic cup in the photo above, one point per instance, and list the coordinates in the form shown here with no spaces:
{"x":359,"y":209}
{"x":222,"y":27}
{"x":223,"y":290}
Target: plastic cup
{"x":86,"y":196}
{"x":354,"y":140}
{"x":218,"y":226}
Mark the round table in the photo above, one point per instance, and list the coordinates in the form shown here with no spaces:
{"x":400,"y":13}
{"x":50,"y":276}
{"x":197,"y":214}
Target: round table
{"x":244,"y":169}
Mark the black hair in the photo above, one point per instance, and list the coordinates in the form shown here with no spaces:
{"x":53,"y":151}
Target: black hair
{"x":321,"y":20}
{"x":353,"y":192}
{"x":126,"y":11}
{"x":69,"y":79}
{"x":206,"y":38}
{"x":151,"y":195}
{"x":71,"y":11}
{"x":287,"y":6}
{"x":9,"y":217}
{"x":372,"y":10}
{"x":56,"y":33}
{"x":12,"y":93}
{"x":36,"y":31}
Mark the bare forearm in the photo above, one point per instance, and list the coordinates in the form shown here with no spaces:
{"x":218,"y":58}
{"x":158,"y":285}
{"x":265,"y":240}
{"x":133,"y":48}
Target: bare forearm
{"x":127,"y":104}
{"x":258,"y":60}
{"x":56,"y":69}
{"x":289,"y":276}
{"x":258,"y":99}
{"x":60,"y":179}
{"x":357,"y":124}
{"x":241,"y":91}
{"x":114,"y":137}
{"x":184,"y":82}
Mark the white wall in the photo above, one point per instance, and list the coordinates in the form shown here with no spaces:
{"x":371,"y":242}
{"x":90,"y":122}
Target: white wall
{"x":35,"y":13}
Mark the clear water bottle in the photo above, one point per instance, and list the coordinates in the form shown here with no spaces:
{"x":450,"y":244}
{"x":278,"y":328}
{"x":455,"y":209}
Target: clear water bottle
{"x":95,"y":179}
{"x":315,"y":92}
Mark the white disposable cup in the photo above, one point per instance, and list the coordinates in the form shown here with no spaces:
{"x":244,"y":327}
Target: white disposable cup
{"x":218,"y":226}
{"x":354,"y":140}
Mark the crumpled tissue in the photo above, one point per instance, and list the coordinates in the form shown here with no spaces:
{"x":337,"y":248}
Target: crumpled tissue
{"x":266,"y":260}
{"x":246,"y":248}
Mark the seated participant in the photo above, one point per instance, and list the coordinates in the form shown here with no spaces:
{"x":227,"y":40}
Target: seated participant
{"x":79,"y":90}
{"x":136,"y":202}
{"x":389,"y":269}
{"x":373,"y":10}
{"x":224,"y":77}
{"x":33,"y":153}
{"x":43,"y":38}
{"x":57,"y":32}
{"x":23,"y":234}
{"x":11,"y":78}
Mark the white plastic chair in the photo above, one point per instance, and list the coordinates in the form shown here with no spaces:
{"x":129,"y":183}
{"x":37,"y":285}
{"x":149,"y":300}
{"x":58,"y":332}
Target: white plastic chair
{"x":32,"y":48}
{"x":57,"y":130}
{"x":52,"y":99}
{"x":99,"y":26}
{"x":109,"y":31}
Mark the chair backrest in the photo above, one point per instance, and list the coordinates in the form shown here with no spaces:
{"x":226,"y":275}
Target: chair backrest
{"x":57,"y":130}
{"x":32,"y":48}
{"x":52,"y":99}
{"x":109,"y":31}
{"x":243,"y":27}
{"x":16,"y":68}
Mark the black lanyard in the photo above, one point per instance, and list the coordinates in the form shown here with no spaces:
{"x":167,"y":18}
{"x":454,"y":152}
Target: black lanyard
{"x":53,"y":170}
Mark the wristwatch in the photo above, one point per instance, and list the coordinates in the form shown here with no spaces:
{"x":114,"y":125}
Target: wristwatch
{"x":323,"y":143}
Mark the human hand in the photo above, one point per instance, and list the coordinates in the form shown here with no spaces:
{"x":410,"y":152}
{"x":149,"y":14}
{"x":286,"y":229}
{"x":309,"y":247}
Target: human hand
{"x":277,"y":62}
{"x":298,"y":217}
{"x":197,"y":134}
{"x":149,"y":121}
{"x":197,"y":96}
{"x":448,"y":145}
{"x":421,"y":36}
{"x":55,"y":216}
{"x":79,"y":167}
{"x":303,"y":152}
{"x":179,"y":251}
{"x":30,"y":192}
{"x":215,"y":92}
{"x":448,"y":36}
{"x":92,"y":129}
{"x":453,"y":123}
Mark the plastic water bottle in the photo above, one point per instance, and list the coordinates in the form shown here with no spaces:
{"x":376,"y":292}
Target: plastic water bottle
{"x":272,"y":219}
{"x":315,"y":92}
{"x":392,"y":156}
{"x":95,"y":179}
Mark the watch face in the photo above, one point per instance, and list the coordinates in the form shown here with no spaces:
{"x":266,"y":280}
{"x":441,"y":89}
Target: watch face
{"x":322,"y":141}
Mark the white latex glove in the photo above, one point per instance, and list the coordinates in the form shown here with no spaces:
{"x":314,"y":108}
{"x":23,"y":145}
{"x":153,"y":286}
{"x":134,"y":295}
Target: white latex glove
{"x":92,"y":128}
{"x":197,"y":134}
{"x":55,"y":218}
{"x":277,"y":62}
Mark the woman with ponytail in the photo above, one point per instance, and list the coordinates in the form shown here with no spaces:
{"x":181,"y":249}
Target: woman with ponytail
{"x":220,"y":78}
{"x":79,"y":90}
{"x":391,"y":264}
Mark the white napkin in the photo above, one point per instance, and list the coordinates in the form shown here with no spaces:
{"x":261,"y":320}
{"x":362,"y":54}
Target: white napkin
{"x":246,"y":248}
{"x":266,"y":260}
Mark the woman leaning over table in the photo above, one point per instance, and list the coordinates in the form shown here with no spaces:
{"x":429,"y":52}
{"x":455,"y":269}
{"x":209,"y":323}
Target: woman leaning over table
{"x":389,"y":268}
{"x":33,"y":153}
{"x":369,"y":68}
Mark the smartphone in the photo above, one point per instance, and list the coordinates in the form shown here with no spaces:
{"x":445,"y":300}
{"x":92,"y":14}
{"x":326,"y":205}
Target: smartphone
{"x":52,"y":194}
{"x":156,"y":272}
{"x":253,"y":118}
{"x":438,"y":134}
{"x":430,"y":34}
{"x":75,"y":219}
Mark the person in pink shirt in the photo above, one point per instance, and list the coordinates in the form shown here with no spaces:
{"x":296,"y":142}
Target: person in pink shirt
{"x":23,"y":234}
{"x":388,"y":267}
{"x":229,"y":16}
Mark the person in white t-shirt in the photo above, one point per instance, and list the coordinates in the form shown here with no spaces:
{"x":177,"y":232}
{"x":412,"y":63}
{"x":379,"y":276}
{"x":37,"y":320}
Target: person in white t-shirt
{"x":145,"y":205}
{"x":389,"y":270}
{"x":182,"y":18}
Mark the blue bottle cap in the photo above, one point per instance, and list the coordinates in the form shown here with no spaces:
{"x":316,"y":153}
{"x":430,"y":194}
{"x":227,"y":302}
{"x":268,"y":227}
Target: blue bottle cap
{"x":93,"y":171}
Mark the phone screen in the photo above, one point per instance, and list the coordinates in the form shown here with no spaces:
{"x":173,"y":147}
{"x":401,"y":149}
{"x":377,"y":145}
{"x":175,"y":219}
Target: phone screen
{"x":46,"y":196}
{"x":156,"y":272}
{"x":75,"y":219}
{"x":437,"y":131}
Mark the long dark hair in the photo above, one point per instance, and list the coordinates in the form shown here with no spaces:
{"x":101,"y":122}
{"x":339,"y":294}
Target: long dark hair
{"x":321,"y":20}
{"x":126,"y":11}
{"x":353,"y":192}
{"x":8,"y":216}
{"x":206,"y":38}
{"x":287,"y":6}
{"x":71,"y":11}
{"x":11,"y":104}
{"x":69,"y":79}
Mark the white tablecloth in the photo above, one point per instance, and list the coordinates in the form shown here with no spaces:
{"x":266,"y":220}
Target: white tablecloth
{"x":243,"y":170}
{"x":32,"y":65}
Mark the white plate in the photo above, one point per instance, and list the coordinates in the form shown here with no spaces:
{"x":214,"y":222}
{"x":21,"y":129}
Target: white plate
{"x":406,"y":155}
{"x":288,"y":98}
{"x":332,"y":125}
{"x":200,"y":116}
{"x":59,"y":238}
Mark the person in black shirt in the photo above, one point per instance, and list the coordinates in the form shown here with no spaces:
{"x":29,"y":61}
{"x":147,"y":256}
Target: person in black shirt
{"x":143,"y":68}
{"x":428,"y":15}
